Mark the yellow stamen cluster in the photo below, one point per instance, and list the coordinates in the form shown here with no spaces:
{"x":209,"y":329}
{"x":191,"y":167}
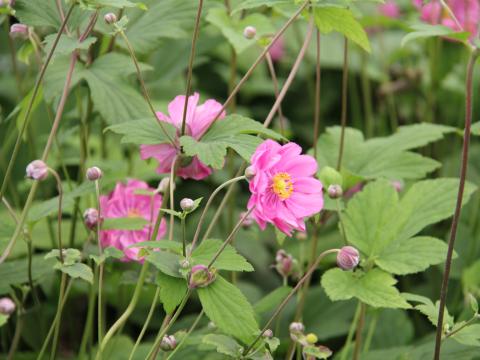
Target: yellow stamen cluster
{"x":282,"y":185}
{"x":133,"y":213}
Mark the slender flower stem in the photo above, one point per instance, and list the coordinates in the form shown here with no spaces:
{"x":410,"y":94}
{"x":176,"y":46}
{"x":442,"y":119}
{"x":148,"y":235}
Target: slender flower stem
{"x":101,"y":266}
{"x":58,"y":323}
{"x":185,"y":337}
{"x":344,"y":104}
{"x":87,"y":330}
{"x":273,"y":74}
{"x":318,"y":77}
{"x":190,"y":64}
{"x":59,"y":216}
{"x":184,"y":238}
{"x":26,"y":118}
{"x":207,"y":206}
{"x":16,"y":336}
{"x":458,"y":208}
{"x":143,"y":86}
{"x":260,"y":57}
{"x":351,"y":331}
{"x":147,"y":322}
{"x":173,"y":171}
{"x":285,"y":301}
{"x":359,"y":331}
{"x":460,"y":328}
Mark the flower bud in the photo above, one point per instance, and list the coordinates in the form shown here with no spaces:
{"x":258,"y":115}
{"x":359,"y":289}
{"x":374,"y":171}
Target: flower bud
{"x":94,"y":173}
{"x":37,"y":170}
{"x":335,"y":191}
{"x":200,"y":276}
{"x":187,"y":204}
{"x":184,"y":264}
{"x":110,"y":18}
{"x":19,"y":31}
{"x":268,"y":334}
{"x":249,"y":32}
{"x":296,"y":328}
{"x":284,"y":263}
{"x":348,"y":258}
{"x":311,"y":338}
{"x":90,"y":218}
{"x":250,"y":172}
{"x":168,"y":343}
{"x":164,"y":185}
{"x":247,"y":221}
{"x":7,"y":306}
{"x":397,"y":185}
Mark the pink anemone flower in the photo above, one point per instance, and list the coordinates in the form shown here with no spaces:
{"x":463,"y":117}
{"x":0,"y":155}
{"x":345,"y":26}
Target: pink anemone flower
{"x":124,"y":202}
{"x":277,"y":51}
{"x":389,"y":9}
{"x":284,"y":190}
{"x":199,"y":118}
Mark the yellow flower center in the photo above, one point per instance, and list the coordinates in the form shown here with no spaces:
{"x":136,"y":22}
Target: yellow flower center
{"x":132,"y":213}
{"x":282,"y":185}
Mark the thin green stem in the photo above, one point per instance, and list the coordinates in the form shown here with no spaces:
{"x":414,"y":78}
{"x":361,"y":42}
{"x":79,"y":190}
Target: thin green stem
{"x":371,"y":332}
{"x":58,"y":323}
{"x":59,"y":215}
{"x":359,"y":332}
{"x":184,"y":238}
{"x":87,"y":330}
{"x":16,"y":336}
{"x":318,"y":78}
{"x":185,"y":337}
{"x":351,"y":332}
{"x":100,"y":266}
{"x":343,"y":120}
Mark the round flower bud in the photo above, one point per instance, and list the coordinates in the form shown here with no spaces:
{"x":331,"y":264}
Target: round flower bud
{"x":247,"y":221}
{"x":335,"y":191}
{"x":284,"y":263}
{"x":90,"y":218}
{"x":250,"y":173}
{"x":296,"y":327}
{"x":94,"y":173}
{"x":164,"y":185}
{"x":249,"y":32}
{"x":184,"y":264}
{"x":110,"y":18}
{"x":397,"y":185}
{"x":19,"y":31}
{"x":268,"y":334}
{"x":168,"y":343}
{"x":348,"y":258}
{"x":7,"y":306}
{"x":187,"y":204}
{"x":37,"y":170}
{"x":311,"y":338}
{"x":200,"y":276}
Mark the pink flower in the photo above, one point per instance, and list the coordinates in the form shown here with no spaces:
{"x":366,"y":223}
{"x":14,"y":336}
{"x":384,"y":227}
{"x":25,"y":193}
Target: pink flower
{"x":277,"y":51}
{"x":389,"y":9}
{"x":199,"y":119}
{"x":284,"y":191}
{"x":467,"y":13}
{"x":124,"y":202}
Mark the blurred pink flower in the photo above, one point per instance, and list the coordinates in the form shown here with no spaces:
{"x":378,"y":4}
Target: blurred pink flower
{"x":467,"y":13}
{"x":277,"y":51}
{"x":199,"y":119}
{"x":389,"y":9}
{"x":284,"y":191}
{"x":124,"y":202}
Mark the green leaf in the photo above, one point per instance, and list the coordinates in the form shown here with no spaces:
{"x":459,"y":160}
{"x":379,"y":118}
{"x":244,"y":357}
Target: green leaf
{"x":413,"y":255}
{"x":224,"y":344}
{"x":119,"y":4}
{"x":37,"y":13}
{"x":228,"y":308}
{"x":109,"y":252}
{"x":172,"y":291}
{"x":320,"y":352}
{"x":70,"y":256}
{"x":272,"y":300}
{"x":229,"y":259}
{"x":423,"y":31}
{"x":375,"y":288}
{"x":210,"y":153}
{"x":143,"y":132}
{"x":3,"y":319}
{"x":125,"y":223}
{"x":232,"y":28}
{"x":22,"y":107}
{"x":469,"y":335}
{"x":252,"y":4}
{"x":330,"y":19}
{"x":166,"y":262}
{"x":174,"y":246}
{"x":76,"y":271}
{"x":66,"y":44}
{"x":15,"y":272}
{"x":429,"y":309}
{"x":475,"y":129}
{"x":55,"y":76}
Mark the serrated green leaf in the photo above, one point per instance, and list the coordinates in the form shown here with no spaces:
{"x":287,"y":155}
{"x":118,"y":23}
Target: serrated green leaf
{"x":423,"y":31}
{"x":109,"y":252}
{"x":44,"y":13}
{"x":252,"y":4}
{"x":125,"y":223}
{"x":66,"y":44}
{"x":224,"y":344}
{"x":166,"y":262}
{"x":321,"y":352}
{"x":429,"y":309}
{"x":76,"y":271}
{"x":22,"y":107}
{"x":210,"y":153}
{"x":469,"y":335}
{"x":70,"y":256}
{"x":143,"y":132}
{"x":228,"y":308}
{"x":229,"y":259}
{"x":330,"y":19}
{"x":375,"y":288}
{"x":271,"y":300}
{"x":113,"y":3}
{"x":172,"y":291}
{"x":161,"y":244}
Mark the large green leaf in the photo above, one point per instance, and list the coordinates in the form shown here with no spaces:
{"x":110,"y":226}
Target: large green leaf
{"x":422,"y":31}
{"x":232,"y":28}
{"x":144,"y":131}
{"x":224,"y":344}
{"x":229,"y":259}
{"x":166,"y":262}
{"x":251,"y":4}
{"x":469,"y":335}
{"x":76,"y":271}
{"x":67,"y":44}
{"x":375,"y":288}
{"x":330,"y":19}
{"x":428,"y":308}
{"x":228,"y":308}
{"x":172,"y":291}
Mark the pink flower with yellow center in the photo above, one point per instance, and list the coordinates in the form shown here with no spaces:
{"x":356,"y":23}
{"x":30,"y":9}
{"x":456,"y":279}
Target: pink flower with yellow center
{"x":284,"y":190}
{"x":124,"y":202}
{"x":198,"y":119}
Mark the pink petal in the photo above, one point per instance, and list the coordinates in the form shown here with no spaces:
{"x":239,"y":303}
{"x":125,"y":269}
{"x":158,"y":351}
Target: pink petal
{"x":176,"y":106}
{"x":204,"y":117}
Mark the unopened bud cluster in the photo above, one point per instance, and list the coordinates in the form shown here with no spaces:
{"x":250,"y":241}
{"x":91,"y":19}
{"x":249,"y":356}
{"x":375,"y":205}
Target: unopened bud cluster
{"x":110,"y":18}
{"x":19,"y":31}
{"x":284,"y":263}
{"x":91,"y":218}
{"x":200,"y":276}
{"x":94,"y":173}
{"x":187,"y":204}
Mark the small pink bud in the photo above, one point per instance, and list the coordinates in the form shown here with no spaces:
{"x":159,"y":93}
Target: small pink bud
{"x":335,"y":191}
{"x":90,"y":218}
{"x":284,"y":263}
{"x":37,"y":170}
{"x":247,"y":221}
{"x":348,"y":258}
{"x":187,"y":204}
{"x":164,"y":185}
{"x":296,"y":328}
{"x":397,"y":185}
{"x":168,"y":343}
{"x":268,"y":333}
{"x":94,"y":173}
{"x":249,"y":32}
{"x":200,"y":276}
{"x":250,"y":173}
{"x":19,"y":31}
{"x":7,"y":306}
{"x":110,"y":18}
